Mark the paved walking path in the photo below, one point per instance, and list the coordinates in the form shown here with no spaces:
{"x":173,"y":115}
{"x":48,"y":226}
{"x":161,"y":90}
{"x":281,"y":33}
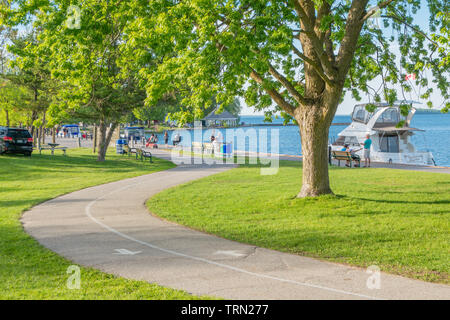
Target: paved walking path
{"x":108,"y":227}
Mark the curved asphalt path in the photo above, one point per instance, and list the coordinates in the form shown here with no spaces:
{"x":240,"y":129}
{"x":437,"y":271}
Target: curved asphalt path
{"x":108,"y":228}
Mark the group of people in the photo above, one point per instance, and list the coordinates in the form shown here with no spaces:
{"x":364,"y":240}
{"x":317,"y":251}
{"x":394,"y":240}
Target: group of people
{"x":153,"y":140}
{"x":366,"y":146}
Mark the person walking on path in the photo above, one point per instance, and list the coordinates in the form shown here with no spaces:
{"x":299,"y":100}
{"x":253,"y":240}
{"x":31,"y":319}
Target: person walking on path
{"x":367,"y":144}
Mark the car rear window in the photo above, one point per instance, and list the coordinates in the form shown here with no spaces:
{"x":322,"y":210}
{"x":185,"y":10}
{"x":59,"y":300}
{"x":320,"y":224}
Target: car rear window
{"x":18,"y":133}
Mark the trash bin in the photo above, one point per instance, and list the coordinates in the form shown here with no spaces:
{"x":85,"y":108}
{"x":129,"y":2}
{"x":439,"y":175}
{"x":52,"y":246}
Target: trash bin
{"x":227,"y":149}
{"x":119,"y":146}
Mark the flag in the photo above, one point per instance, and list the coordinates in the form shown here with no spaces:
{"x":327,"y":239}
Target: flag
{"x":410,"y":76}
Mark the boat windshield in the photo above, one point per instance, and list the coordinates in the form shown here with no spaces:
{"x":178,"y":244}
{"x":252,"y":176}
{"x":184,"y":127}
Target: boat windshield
{"x":388,"y":117}
{"x":360,"y":114}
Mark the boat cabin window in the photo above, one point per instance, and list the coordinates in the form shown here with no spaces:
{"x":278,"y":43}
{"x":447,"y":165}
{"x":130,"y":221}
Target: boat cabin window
{"x":391,"y":116}
{"x":350,"y":140}
{"x":360,"y":114}
{"x":389,"y":143}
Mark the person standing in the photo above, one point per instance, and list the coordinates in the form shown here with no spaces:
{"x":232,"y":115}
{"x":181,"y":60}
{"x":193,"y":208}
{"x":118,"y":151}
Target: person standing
{"x":166,"y":138}
{"x":367,"y":144}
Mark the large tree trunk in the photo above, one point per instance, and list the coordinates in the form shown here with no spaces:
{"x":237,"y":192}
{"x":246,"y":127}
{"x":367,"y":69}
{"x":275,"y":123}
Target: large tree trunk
{"x":104,"y":140}
{"x":314,"y":122}
{"x":314,"y":135}
{"x":102,"y":147}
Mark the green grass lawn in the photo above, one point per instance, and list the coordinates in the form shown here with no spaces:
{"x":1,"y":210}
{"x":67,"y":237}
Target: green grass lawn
{"x":28,"y":270}
{"x":398,"y":220}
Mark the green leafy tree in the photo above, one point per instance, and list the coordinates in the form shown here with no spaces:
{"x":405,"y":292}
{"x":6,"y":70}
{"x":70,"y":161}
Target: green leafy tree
{"x":234,"y":107}
{"x":13,"y":100}
{"x":29,"y":70}
{"x":296,"y":57}
{"x":85,"y":43}
{"x":168,"y":104}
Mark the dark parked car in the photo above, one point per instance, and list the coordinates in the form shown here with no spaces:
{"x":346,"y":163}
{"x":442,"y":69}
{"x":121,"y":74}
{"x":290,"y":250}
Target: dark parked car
{"x":15,"y":140}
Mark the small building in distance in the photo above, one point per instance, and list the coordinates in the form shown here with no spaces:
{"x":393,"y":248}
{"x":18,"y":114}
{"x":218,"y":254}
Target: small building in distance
{"x":225,"y":119}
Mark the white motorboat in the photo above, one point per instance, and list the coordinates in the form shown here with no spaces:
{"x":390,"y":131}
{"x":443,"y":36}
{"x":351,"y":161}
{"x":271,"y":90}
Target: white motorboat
{"x":390,"y":143}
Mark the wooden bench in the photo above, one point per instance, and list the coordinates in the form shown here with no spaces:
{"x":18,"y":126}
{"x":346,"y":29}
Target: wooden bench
{"x":342,"y":155}
{"x":51,"y":148}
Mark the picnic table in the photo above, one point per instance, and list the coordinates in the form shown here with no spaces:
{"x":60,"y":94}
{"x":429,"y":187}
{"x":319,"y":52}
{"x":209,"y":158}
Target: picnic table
{"x":52,"y":147}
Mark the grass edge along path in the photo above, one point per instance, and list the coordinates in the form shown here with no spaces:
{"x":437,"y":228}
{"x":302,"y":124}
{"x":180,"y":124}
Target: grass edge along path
{"x":396,"y":219}
{"x":30,"y":271}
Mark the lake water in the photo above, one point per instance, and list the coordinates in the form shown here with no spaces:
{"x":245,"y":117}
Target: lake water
{"x":436,"y":137}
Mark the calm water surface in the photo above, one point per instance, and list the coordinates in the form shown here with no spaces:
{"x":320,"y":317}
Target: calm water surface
{"x":436,"y":137}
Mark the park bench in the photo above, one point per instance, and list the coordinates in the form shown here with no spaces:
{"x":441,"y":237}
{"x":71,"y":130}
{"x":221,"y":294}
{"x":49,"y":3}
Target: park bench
{"x":129,"y":150}
{"x":144,"y":154}
{"x":342,"y":155}
{"x":52,"y":148}
{"x":139,"y":152}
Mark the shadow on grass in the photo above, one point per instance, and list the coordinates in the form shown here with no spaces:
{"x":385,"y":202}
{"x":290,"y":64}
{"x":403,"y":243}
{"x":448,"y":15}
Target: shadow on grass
{"x":404,"y":202}
{"x":21,"y":203}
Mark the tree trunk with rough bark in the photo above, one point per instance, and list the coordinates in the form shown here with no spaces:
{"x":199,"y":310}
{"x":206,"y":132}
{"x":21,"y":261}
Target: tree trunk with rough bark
{"x":314,"y":122}
{"x":314,"y":136}
{"x":101,"y":141}
{"x":105,"y":139}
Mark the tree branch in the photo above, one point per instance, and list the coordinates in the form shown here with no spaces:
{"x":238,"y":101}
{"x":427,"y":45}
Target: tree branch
{"x":352,"y":31}
{"x":287,"y":84}
{"x":413,"y":28}
{"x":316,"y":67}
{"x":373,"y":10}
{"x":274,"y":94}
{"x":315,"y":41}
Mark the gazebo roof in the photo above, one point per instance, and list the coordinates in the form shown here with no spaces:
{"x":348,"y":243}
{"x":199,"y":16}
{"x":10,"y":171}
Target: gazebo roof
{"x":225,"y":115}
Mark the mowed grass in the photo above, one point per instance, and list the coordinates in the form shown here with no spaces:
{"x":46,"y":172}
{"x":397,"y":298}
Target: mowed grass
{"x":28,"y":270}
{"x":397,"y":220}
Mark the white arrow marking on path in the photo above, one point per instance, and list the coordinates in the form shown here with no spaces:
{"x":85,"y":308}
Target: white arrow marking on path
{"x":179,"y":254}
{"x":125,"y":251}
{"x":233,"y":253}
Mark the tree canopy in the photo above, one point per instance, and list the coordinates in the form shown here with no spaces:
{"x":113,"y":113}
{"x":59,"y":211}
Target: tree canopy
{"x":296,"y":57}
